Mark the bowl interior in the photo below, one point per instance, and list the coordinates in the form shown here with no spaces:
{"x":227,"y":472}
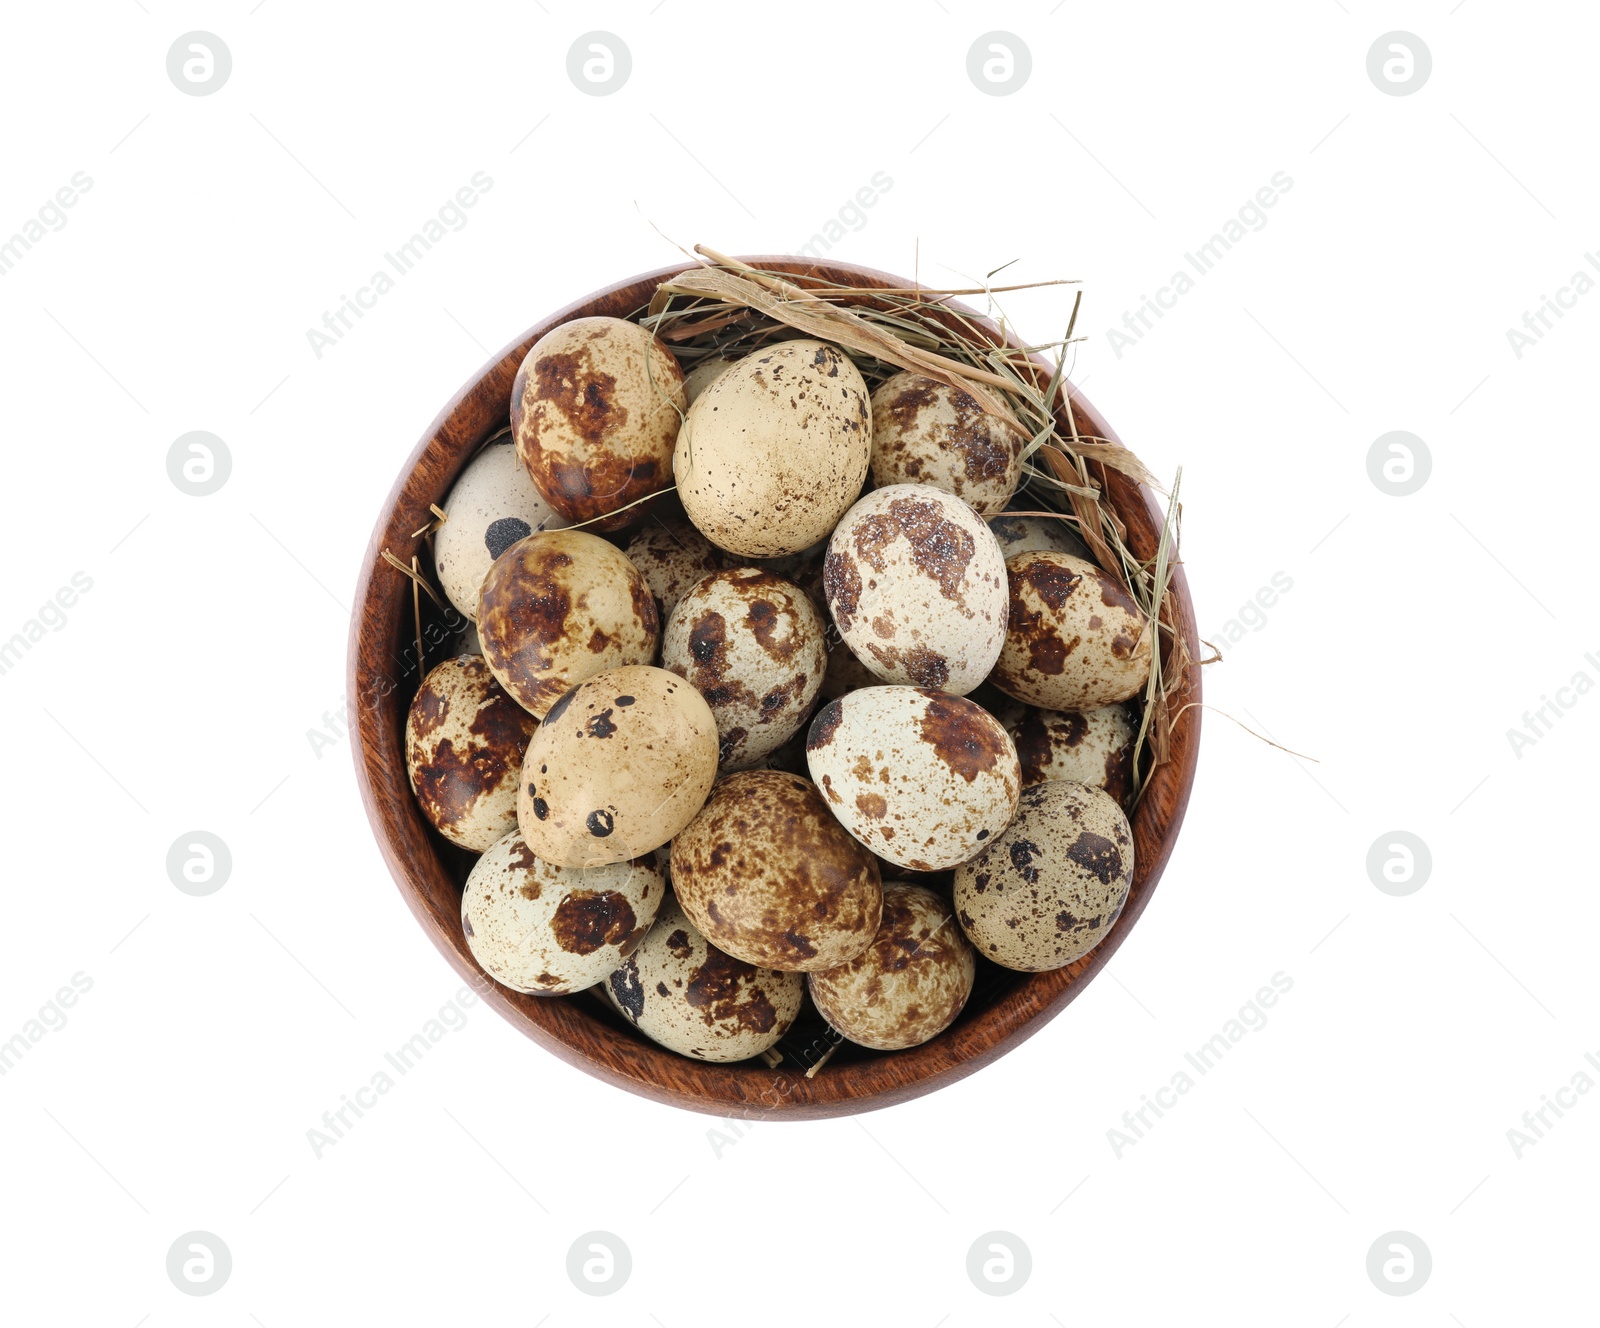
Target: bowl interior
{"x":385,"y":670}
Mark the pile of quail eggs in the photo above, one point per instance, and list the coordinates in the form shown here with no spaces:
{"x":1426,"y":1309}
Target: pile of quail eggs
{"x":827,"y":722}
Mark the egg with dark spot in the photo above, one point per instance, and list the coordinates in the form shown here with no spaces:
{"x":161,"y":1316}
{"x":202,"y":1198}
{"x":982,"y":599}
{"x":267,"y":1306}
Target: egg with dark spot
{"x":910,"y":983}
{"x":490,"y":507}
{"x":595,"y":409}
{"x":465,"y":739}
{"x":682,"y":992}
{"x":559,"y":607}
{"x":769,"y":876}
{"x":620,"y":765}
{"x":1074,"y":637}
{"x":754,"y":646}
{"x":1027,"y":534}
{"x":845,"y":672}
{"x":926,"y":432}
{"x":535,"y":926}
{"x":921,"y":778}
{"x":775,"y":450}
{"x":917,"y":586}
{"x":1048,"y":890}
{"x":1093,"y":747}
{"x":672,"y":556}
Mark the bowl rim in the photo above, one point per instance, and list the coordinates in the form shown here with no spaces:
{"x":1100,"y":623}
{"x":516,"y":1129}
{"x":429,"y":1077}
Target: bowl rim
{"x":565,"y":1025}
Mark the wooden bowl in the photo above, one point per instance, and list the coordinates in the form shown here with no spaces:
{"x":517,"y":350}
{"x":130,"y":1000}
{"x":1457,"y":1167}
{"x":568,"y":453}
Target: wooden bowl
{"x":582,"y":1030}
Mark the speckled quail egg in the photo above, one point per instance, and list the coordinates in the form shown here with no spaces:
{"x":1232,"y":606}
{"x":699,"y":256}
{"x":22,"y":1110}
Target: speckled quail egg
{"x":845,"y":672}
{"x":927,"y":432}
{"x":464,"y":744}
{"x":1093,"y":747}
{"x":595,"y":409}
{"x":803,"y":568}
{"x":468,"y":643}
{"x":769,"y":876}
{"x":681,"y":991}
{"x":790,"y":757}
{"x":921,"y":778}
{"x":538,"y":927}
{"x":559,"y":607}
{"x":1025,"y":534}
{"x":753,"y":644}
{"x":775,"y":450}
{"x":672,"y":555}
{"x":620,"y":764}
{"x":917,"y":586}
{"x":910,"y":983}
{"x":491,"y":506}
{"x":703,"y":375}
{"x":1074,"y":639}
{"x":1048,"y":890}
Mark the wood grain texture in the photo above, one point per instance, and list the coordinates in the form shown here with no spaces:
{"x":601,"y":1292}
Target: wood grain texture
{"x":382,"y":679}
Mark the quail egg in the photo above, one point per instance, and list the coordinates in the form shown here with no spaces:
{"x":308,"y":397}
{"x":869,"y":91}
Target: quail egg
{"x":917,"y":586}
{"x":753,"y":644}
{"x":491,"y":506}
{"x":769,"y":876}
{"x":910,"y":983}
{"x":681,"y":991}
{"x":921,"y":778}
{"x":927,"y":432}
{"x":464,"y":744}
{"x":538,"y":927}
{"x":1074,"y":639}
{"x":703,"y":375}
{"x":845,"y":672}
{"x":1025,"y":534}
{"x":1049,"y":889}
{"x":672,"y":555}
{"x":775,"y":449}
{"x":1092,"y":747}
{"x":621,"y":763}
{"x":595,"y":409}
{"x":559,"y":607}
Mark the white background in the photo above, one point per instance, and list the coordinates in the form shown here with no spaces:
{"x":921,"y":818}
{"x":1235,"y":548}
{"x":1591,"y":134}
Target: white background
{"x":183,"y":691}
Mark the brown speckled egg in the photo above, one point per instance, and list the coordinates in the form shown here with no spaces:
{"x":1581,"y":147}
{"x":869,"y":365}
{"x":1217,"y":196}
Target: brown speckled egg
{"x":534,"y":926}
{"x":559,"y":607}
{"x":753,"y":644}
{"x":927,"y":432}
{"x":1025,"y":534}
{"x":845,"y":672}
{"x":1075,"y":639}
{"x":917,"y":586}
{"x":910,"y":983}
{"x":619,"y":766}
{"x":1049,"y":889}
{"x":791,"y":757}
{"x":921,"y":778}
{"x":672,"y":555}
{"x":1093,"y":747}
{"x":464,"y":743}
{"x":769,"y":876}
{"x":703,"y":375}
{"x":692,"y":998}
{"x":775,"y":450}
{"x":595,"y":409}
{"x":491,"y":506}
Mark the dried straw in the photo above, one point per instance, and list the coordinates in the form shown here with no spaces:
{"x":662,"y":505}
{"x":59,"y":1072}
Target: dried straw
{"x":725,"y":307}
